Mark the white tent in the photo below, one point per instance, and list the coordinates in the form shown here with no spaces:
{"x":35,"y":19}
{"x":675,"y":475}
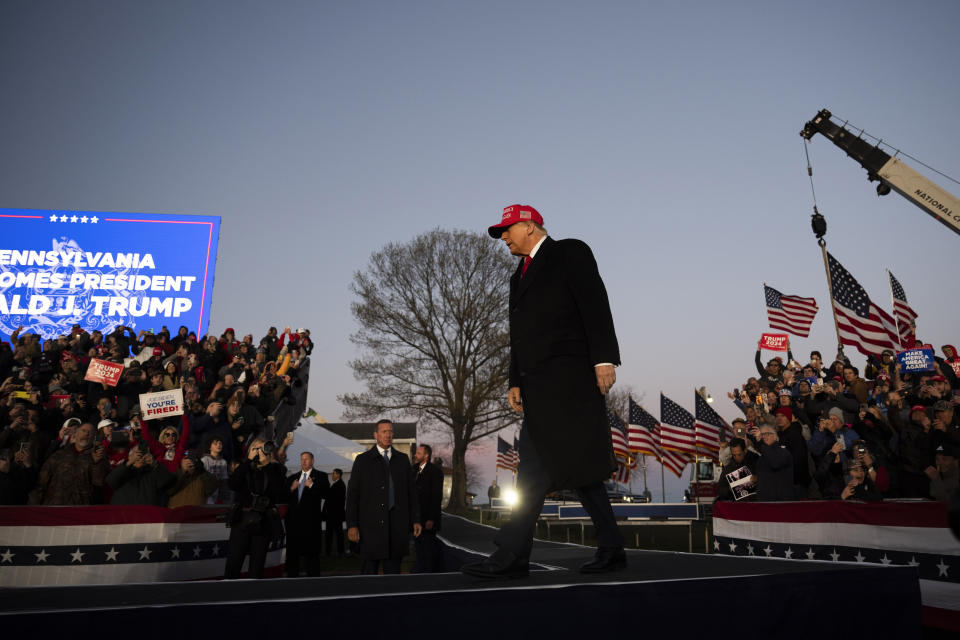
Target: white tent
{"x":329,"y":450}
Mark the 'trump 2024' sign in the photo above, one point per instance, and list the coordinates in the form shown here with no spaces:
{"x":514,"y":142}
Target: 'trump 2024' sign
{"x":99,"y":270}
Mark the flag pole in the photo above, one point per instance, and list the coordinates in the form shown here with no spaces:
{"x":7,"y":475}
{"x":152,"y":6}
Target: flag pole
{"x":826,"y":267}
{"x":893,"y":307}
{"x":663,"y":491}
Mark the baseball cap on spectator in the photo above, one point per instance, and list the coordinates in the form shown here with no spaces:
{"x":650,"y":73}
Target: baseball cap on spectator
{"x":788,"y":412}
{"x":741,"y":420}
{"x":513,"y":214}
{"x":942,"y":405}
{"x":135,"y":410}
{"x":71,"y":422}
{"x":883,"y":375}
{"x":938,"y":378}
{"x":785,"y":392}
{"x":887,"y":352}
{"x":107,"y":422}
{"x":918,"y":407}
{"x":301,"y":330}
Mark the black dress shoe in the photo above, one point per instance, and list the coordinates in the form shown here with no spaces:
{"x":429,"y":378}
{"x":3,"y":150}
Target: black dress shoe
{"x":607,"y":559}
{"x":500,"y":566}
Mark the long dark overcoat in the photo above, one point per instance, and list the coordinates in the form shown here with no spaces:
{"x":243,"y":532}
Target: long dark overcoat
{"x":304,"y":519}
{"x":367,"y":504}
{"x":560,"y":327}
{"x":429,"y":486}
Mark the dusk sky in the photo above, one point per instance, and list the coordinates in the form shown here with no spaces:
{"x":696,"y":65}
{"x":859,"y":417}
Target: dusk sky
{"x":664,"y":134}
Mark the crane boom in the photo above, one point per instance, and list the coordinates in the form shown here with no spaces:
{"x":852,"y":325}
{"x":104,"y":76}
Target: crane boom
{"x":892,"y":173}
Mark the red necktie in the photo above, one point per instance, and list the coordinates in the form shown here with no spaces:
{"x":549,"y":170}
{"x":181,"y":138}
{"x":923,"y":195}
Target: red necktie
{"x":526,"y":264}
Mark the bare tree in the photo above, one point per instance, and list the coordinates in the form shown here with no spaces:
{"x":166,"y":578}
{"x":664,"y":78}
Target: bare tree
{"x":618,"y":400}
{"x":434,"y":339}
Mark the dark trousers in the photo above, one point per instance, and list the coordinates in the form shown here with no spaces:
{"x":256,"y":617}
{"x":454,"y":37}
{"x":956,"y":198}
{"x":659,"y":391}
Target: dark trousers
{"x":334,"y":532}
{"x":298,"y":556}
{"x":429,"y":553}
{"x":372,"y":567}
{"x":240,"y":544}
{"x":533,"y":485}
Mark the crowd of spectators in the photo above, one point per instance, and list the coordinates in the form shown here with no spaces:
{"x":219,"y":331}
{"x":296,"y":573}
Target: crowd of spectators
{"x":65,"y":440}
{"x":833,"y":432}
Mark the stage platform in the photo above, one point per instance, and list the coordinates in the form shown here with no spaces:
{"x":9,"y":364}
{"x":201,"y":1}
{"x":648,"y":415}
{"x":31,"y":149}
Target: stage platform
{"x":660,"y":592}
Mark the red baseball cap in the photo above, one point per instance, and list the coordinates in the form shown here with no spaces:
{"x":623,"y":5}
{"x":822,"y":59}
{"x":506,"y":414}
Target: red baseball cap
{"x":513,"y":214}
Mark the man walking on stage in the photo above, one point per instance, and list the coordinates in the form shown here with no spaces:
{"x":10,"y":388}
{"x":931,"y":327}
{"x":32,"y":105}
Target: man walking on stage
{"x":563,"y":350}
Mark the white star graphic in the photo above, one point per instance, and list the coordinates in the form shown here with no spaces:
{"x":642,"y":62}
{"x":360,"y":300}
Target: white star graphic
{"x":53,"y":218}
{"x":112,"y":554}
{"x":750,"y":549}
{"x":196,"y":551}
{"x":7,"y":557}
{"x":84,"y":219}
{"x":767,"y":550}
{"x":810,"y":554}
{"x":885,"y":559}
{"x":145,"y":553}
{"x":716,"y":545}
{"x":859,"y":557}
{"x":73,"y":218}
{"x":42,"y":556}
{"x":216,"y":550}
{"x":77,"y":555}
{"x":835,"y":556}
{"x":175,"y":552}
{"x":733,"y":546}
{"x":94,"y":219}
{"x":943,"y":569}
{"x":788,"y":554}
{"x":913,"y":562}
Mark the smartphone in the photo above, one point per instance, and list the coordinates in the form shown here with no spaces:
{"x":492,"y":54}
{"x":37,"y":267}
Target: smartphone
{"x":841,"y":440}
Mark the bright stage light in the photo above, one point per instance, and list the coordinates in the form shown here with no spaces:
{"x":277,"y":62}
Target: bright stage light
{"x":511,"y":497}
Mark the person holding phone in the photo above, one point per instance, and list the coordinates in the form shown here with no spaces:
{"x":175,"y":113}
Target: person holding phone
{"x":830,"y":430}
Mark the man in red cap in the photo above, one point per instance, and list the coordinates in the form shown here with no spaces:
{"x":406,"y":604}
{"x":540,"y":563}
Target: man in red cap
{"x":563,"y":350}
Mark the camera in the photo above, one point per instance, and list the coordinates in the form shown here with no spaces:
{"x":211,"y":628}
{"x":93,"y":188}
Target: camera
{"x":861,"y":449}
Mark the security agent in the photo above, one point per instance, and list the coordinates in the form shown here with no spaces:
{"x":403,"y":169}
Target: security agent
{"x":259,"y":483}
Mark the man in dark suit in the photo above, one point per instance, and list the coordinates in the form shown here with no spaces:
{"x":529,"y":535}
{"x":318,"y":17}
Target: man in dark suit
{"x":308,"y":487}
{"x":382,"y":505}
{"x":563,"y":350}
{"x":333,"y":512}
{"x":428,"y":479}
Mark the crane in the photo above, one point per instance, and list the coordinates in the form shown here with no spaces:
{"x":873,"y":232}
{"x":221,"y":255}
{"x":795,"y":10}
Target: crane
{"x":890,"y":172}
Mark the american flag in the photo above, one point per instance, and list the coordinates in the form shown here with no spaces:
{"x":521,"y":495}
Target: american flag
{"x":674,"y":461}
{"x":861,"y":323}
{"x":676,"y":427}
{"x":904,"y":313}
{"x":618,"y":434}
{"x":505,"y":455}
{"x":792,"y":314}
{"x":516,"y":452}
{"x":642,"y":422}
{"x":641,"y":431}
{"x":709,"y":426}
{"x":623,"y":472}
